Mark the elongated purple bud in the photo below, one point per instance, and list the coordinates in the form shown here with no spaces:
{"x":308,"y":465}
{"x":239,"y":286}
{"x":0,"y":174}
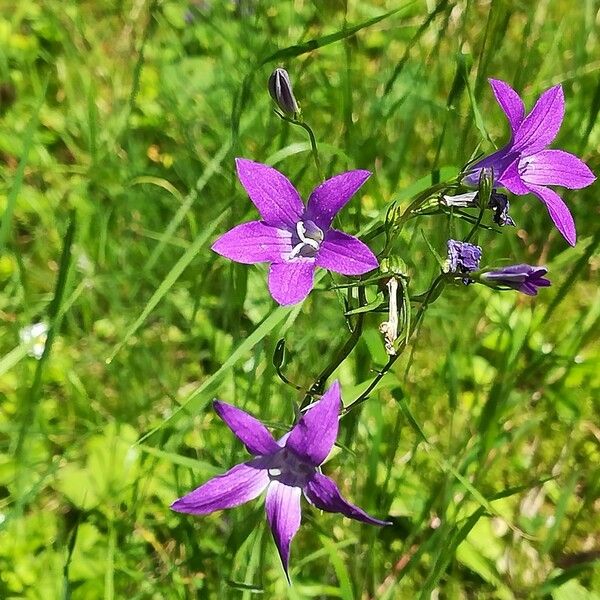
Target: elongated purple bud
{"x":523,"y":278}
{"x":280,"y":89}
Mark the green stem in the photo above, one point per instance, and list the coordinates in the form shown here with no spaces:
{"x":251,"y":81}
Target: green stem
{"x":432,"y":294}
{"x":313,"y":146}
{"x":475,"y":225}
{"x":287,"y":381}
{"x":311,"y":137}
{"x":341,"y":355}
{"x":397,"y":224}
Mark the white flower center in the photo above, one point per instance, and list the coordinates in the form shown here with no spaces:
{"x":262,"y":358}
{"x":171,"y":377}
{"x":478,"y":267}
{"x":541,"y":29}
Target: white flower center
{"x":308,"y":240}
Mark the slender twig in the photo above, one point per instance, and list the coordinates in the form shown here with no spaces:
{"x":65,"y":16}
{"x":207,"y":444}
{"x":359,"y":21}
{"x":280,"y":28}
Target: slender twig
{"x":311,"y":137}
{"x":475,"y":225}
{"x":313,"y":146}
{"x":288,"y":382}
{"x":432,"y":295}
{"x":409,"y":212}
{"x":341,"y":355}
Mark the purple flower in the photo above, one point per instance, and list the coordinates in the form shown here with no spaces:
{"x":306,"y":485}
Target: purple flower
{"x":523,"y":278}
{"x":295,"y":239}
{"x":285,"y":469}
{"x":525,"y":165}
{"x":463,"y":258}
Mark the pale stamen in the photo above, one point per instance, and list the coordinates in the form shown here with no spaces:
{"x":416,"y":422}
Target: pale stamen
{"x":301,"y":229}
{"x":304,"y":240}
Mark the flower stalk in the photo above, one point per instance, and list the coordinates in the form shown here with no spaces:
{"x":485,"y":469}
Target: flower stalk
{"x":296,"y":238}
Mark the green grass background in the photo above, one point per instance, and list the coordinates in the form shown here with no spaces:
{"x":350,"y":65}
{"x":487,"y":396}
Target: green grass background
{"x":119,"y":123}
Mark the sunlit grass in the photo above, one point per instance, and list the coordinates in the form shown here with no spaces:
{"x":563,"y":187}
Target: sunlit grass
{"x":481,"y":444}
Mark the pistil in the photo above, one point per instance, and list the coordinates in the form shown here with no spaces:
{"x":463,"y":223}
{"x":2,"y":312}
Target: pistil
{"x":310,"y":237}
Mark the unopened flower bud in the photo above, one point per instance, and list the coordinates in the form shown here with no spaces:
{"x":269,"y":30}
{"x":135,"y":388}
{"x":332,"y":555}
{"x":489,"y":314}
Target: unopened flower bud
{"x":523,"y":278}
{"x":394,"y":265}
{"x":280,"y":89}
{"x":486,"y":181}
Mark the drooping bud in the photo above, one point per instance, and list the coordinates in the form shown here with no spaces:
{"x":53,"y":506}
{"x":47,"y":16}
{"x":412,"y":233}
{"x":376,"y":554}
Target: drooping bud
{"x":280,"y":89}
{"x":389,"y":328}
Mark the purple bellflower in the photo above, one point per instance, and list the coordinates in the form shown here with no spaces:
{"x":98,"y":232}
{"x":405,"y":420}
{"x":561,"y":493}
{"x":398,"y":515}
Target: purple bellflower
{"x":463,"y":258}
{"x":285,"y":469}
{"x":525,"y":165}
{"x":295,"y":239}
{"x":523,"y":278}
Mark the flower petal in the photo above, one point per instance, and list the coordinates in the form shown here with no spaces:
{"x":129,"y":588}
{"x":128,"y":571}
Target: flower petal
{"x":558,"y":210}
{"x":254,"y":242}
{"x":247,"y":428}
{"x":508,"y":275}
{"x":345,"y":254}
{"x":241,"y":484}
{"x":557,"y":167}
{"x":328,"y":198}
{"x":283,"y":513}
{"x":511,"y":179}
{"x":276,"y":199}
{"x":510,"y":102}
{"x":498,"y":162}
{"x":324,"y":494}
{"x":312,"y":438}
{"x":541,"y":125}
{"x":290,"y":282}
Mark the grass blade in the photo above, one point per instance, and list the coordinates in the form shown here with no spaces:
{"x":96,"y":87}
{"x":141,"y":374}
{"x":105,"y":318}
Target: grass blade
{"x":167,"y":283}
{"x":201,"y":396}
{"x":314,"y":44}
{"x":18,"y":181}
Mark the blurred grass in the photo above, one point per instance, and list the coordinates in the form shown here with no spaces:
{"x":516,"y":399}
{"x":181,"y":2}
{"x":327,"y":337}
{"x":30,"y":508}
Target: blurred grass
{"x":135,"y":135}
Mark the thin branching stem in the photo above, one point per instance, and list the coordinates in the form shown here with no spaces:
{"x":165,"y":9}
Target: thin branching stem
{"x":341,"y":355}
{"x":311,"y":137}
{"x":475,"y":225}
{"x":432,"y":294}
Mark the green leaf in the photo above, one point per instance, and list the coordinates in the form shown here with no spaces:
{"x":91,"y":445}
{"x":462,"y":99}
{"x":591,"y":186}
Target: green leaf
{"x":440,"y":261}
{"x":314,"y":44}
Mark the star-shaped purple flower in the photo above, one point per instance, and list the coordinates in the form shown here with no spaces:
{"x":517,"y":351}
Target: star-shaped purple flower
{"x":295,"y":239}
{"x":525,"y":165}
{"x":285,"y":469}
{"x":523,"y":278}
